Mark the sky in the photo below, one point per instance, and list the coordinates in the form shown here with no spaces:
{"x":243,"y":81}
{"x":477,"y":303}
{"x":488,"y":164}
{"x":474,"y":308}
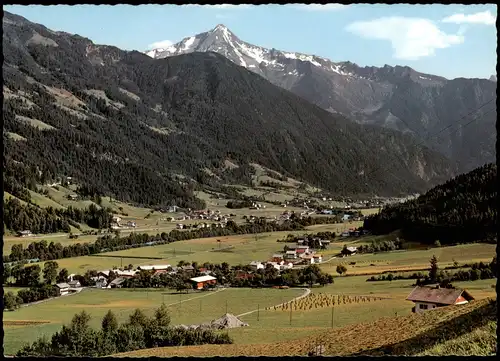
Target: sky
{"x":447,"y":40}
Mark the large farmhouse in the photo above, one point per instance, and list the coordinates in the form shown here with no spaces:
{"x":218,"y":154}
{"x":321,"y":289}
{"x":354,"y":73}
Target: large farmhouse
{"x":200,"y":282}
{"x":428,"y":298}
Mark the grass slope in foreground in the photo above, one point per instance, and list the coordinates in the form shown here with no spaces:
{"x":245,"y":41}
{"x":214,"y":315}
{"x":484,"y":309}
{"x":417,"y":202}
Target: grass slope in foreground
{"x":404,"y":335}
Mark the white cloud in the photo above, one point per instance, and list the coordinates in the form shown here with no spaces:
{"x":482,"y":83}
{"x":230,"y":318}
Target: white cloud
{"x":321,"y":7}
{"x":411,"y":38}
{"x":220,"y":6}
{"x":485,"y":18}
{"x":229,"y":6}
{"x":160,"y":44}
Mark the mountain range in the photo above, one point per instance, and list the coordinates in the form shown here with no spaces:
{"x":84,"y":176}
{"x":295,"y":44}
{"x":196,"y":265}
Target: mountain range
{"x":394,"y":97}
{"x":152,"y":131}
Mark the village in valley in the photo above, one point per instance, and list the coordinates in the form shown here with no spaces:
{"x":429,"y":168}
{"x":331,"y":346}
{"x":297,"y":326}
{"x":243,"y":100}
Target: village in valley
{"x":215,"y":197}
{"x":331,"y":263}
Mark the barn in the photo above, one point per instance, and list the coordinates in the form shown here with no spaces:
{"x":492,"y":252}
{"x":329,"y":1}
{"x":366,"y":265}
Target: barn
{"x":200,"y":282}
{"x":428,"y":298}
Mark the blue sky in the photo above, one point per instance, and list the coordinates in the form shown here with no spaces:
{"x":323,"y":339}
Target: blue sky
{"x":451,"y":41}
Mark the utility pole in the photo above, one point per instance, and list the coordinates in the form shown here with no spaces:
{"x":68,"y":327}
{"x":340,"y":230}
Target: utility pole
{"x":333,"y":308}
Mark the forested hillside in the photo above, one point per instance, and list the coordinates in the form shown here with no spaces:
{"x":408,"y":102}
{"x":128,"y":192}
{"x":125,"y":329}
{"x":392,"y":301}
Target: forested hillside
{"x":131,"y":127}
{"x":461,"y":210}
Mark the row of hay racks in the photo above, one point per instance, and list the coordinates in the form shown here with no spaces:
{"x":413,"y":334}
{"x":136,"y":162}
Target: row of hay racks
{"x":321,"y":300}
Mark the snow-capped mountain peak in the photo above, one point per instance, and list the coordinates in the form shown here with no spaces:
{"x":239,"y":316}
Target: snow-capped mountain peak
{"x":255,"y":58}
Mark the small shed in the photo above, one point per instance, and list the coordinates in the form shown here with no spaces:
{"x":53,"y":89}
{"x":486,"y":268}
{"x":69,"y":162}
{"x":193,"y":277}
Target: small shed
{"x":350,"y":251}
{"x":26,"y":233}
{"x":116,"y":283}
{"x":62,"y":289}
{"x":200,"y":282}
{"x":428,"y":298}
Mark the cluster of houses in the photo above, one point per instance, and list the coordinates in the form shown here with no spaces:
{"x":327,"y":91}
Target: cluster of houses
{"x":301,"y":253}
{"x":257,"y":206}
{"x":102,"y":280}
{"x":116,"y":223}
{"x":206,"y":215}
{"x":352,"y":232}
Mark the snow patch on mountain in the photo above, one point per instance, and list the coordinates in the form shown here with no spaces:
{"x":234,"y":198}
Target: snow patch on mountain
{"x":188,"y":43}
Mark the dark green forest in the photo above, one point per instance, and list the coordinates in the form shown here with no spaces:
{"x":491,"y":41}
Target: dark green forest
{"x":464,"y":209}
{"x":19,"y":217}
{"x":188,"y":113}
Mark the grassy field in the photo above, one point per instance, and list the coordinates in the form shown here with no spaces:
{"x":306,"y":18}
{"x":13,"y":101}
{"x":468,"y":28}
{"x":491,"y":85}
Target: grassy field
{"x":266,"y":326}
{"x":413,"y":259}
{"x":29,"y":323}
{"x":14,"y":290}
{"x":239,"y":249}
{"x":396,"y":335}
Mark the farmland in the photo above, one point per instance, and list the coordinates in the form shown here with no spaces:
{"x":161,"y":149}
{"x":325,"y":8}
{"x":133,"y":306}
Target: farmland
{"x":266,"y":326}
{"x":413,"y":259}
{"x":184,"y":308}
{"x":410,"y":334}
{"x":147,"y":220}
{"x":351,"y":303}
{"x":425,"y":331}
{"x":233,"y":249}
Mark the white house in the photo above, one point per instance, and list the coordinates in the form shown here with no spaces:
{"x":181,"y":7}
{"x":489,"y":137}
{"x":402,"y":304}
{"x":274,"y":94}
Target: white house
{"x":428,"y":298}
{"x":62,"y":289}
{"x":155,"y":267}
{"x":255,"y":265}
{"x":116,"y":219}
{"x":290,"y":255}
{"x":26,"y":233}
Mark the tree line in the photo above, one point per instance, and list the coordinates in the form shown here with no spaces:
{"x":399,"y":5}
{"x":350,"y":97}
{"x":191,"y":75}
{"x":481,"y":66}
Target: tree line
{"x":51,"y":251}
{"x":385,"y":246}
{"x":236,"y":276}
{"x":20,"y":217}
{"x":461,"y":210}
{"x":477,"y":271}
{"x":30,"y":276}
{"x":138,"y":332}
